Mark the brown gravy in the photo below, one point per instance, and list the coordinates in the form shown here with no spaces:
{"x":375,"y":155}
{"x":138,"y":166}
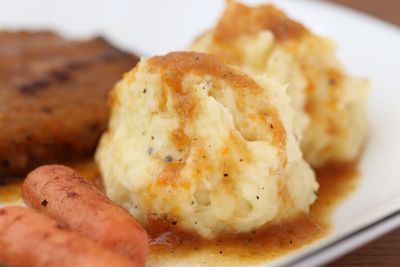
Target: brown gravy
{"x":174,"y":67}
{"x":10,"y":191}
{"x":336,"y":182}
{"x":262,"y":245}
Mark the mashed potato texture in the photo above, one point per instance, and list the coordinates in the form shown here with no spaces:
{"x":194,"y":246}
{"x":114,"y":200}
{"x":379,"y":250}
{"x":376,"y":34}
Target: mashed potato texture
{"x":329,"y":104}
{"x":200,"y":142}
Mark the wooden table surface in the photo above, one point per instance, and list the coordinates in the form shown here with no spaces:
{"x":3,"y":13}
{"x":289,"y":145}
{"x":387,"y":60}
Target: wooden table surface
{"x":384,"y":251}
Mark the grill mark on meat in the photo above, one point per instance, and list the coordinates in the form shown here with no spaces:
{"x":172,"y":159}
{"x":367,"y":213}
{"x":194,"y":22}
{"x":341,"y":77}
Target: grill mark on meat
{"x":34,"y":86}
{"x":60,"y":75}
{"x":63,"y":74}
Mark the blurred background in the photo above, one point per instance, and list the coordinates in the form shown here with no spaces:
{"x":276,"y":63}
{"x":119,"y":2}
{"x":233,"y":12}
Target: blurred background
{"x":388,"y":10}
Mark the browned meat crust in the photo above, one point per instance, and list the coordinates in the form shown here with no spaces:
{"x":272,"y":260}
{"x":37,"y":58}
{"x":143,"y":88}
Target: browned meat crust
{"x":53,"y":97}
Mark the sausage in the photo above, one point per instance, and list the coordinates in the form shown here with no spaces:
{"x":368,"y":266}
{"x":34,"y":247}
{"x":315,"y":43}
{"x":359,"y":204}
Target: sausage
{"x":63,"y":194}
{"x":30,"y":239}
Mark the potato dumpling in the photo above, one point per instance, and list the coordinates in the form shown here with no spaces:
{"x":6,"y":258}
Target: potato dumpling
{"x":202,"y":143}
{"x":329,"y":104}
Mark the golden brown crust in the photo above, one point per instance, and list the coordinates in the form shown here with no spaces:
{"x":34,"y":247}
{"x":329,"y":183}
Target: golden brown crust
{"x":53,"y":97}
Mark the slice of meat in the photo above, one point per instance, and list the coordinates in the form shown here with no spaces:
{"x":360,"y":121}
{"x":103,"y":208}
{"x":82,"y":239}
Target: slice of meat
{"x":53,"y":97}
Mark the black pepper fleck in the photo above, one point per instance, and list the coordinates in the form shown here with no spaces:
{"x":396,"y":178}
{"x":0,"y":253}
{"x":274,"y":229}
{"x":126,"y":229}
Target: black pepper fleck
{"x":225,"y":174}
{"x":144,"y":90}
{"x":168,"y":158}
{"x":44,"y":203}
{"x":257,"y":197}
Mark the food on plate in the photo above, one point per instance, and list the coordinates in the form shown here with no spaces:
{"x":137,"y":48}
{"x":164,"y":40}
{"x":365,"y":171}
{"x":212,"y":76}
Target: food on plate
{"x":329,"y":104}
{"x":30,"y":239}
{"x":63,"y":194}
{"x":53,"y":95}
{"x":204,"y":145}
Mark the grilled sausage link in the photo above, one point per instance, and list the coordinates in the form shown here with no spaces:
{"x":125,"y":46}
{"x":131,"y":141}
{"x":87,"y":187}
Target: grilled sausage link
{"x":63,"y":194}
{"x":31,"y":239}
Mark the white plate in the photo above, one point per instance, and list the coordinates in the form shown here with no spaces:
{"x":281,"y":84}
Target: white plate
{"x":368,"y":47}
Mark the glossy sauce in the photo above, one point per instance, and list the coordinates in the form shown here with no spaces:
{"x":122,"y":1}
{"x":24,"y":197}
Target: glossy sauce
{"x":167,"y":241}
{"x":10,"y":191}
{"x":265,"y":244}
